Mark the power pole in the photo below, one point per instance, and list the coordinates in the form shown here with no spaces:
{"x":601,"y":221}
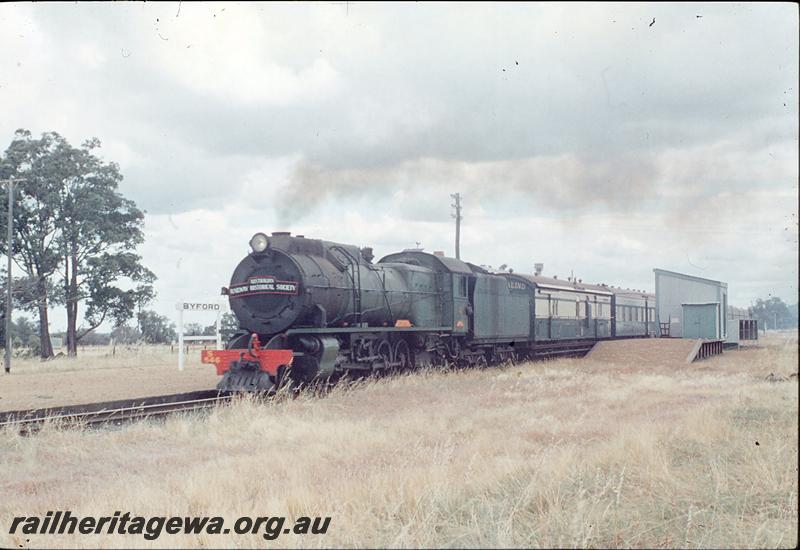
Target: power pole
{"x":457,"y":216}
{"x":9,"y":254}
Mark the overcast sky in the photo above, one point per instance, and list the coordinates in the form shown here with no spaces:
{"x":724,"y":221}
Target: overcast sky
{"x":599,"y":138}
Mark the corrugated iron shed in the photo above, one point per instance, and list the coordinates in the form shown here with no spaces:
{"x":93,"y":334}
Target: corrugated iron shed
{"x":674,"y":289}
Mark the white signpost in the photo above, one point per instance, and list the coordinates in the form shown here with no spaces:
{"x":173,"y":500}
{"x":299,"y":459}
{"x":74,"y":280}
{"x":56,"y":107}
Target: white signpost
{"x":196,"y":306}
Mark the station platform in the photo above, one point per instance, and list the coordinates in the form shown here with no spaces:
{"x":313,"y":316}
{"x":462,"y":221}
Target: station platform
{"x":658,"y":351}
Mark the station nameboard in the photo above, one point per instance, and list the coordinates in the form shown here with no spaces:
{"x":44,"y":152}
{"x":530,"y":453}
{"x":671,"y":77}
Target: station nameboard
{"x":195,"y":306}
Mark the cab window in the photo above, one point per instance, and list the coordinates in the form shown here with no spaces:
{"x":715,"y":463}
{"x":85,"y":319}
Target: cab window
{"x":461,"y":286}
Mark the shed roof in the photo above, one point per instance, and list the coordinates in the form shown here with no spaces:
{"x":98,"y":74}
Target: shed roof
{"x":658,"y":271}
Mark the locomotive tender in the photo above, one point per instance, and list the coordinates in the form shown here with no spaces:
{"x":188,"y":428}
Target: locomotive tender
{"x":312,"y":310}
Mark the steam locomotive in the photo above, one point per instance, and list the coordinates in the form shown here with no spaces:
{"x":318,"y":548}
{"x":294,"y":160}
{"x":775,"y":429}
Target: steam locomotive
{"x":312,"y":310}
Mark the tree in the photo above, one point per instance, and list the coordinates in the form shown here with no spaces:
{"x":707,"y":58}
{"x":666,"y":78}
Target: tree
{"x":229,"y":325}
{"x":42,"y":163}
{"x":772,"y":312}
{"x":24,"y":334}
{"x":99,"y":230}
{"x":104,"y":299}
{"x":123,"y":334}
{"x":71,"y":217}
{"x":193,"y":329}
{"x":96,"y":339}
{"x":155,"y":328}
{"x":23,"y":293}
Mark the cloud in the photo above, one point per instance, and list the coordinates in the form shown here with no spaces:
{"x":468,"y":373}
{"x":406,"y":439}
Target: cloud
{"x":580,"y":136}
{"x":252,"y":76}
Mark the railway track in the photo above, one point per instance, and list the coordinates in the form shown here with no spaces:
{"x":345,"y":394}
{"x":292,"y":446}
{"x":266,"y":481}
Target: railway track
{"x":112,"y":412}
{"x":127,"y":410}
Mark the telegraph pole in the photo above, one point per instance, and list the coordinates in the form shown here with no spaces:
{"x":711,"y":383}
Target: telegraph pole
{"x":457,"y":216}
{"x":9,"y":254}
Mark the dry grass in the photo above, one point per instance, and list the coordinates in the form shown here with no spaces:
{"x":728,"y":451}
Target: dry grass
{"x":566,"y":453}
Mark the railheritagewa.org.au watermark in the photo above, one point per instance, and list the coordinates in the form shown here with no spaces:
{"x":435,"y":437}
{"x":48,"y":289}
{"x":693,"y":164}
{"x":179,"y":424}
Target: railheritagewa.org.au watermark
{"x":151,"y":527}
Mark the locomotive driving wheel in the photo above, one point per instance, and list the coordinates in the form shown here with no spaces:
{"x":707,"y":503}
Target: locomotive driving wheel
{"x":402,"y":355}
{"x":384,"y":350}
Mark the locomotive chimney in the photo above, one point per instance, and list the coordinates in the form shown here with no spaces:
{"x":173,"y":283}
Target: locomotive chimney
{"x":537,"y":269}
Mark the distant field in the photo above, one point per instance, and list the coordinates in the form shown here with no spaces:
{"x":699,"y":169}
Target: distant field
{"x":92,"y":357}
{"x":566,"y":453}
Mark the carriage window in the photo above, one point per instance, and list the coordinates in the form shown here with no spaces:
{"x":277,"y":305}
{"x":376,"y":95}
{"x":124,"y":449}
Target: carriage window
{"x":541,"y":307}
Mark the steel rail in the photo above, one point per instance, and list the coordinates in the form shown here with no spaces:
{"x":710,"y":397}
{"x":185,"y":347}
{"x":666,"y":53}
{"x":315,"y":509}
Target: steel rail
{"x":27,"y":421}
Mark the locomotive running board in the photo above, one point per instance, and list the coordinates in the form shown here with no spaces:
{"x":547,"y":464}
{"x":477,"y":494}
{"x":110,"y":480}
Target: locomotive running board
{"x":393,"y":329}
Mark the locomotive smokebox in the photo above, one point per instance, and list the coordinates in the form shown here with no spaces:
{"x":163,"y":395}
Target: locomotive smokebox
{"x":264,"y":292}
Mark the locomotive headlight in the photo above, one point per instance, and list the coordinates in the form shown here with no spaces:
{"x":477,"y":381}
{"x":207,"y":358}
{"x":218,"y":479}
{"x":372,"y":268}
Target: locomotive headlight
{"x":259,"y":242}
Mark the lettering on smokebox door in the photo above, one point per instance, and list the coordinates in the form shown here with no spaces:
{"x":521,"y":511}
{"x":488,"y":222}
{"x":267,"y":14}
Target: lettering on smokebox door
{"x":264,"y":285}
